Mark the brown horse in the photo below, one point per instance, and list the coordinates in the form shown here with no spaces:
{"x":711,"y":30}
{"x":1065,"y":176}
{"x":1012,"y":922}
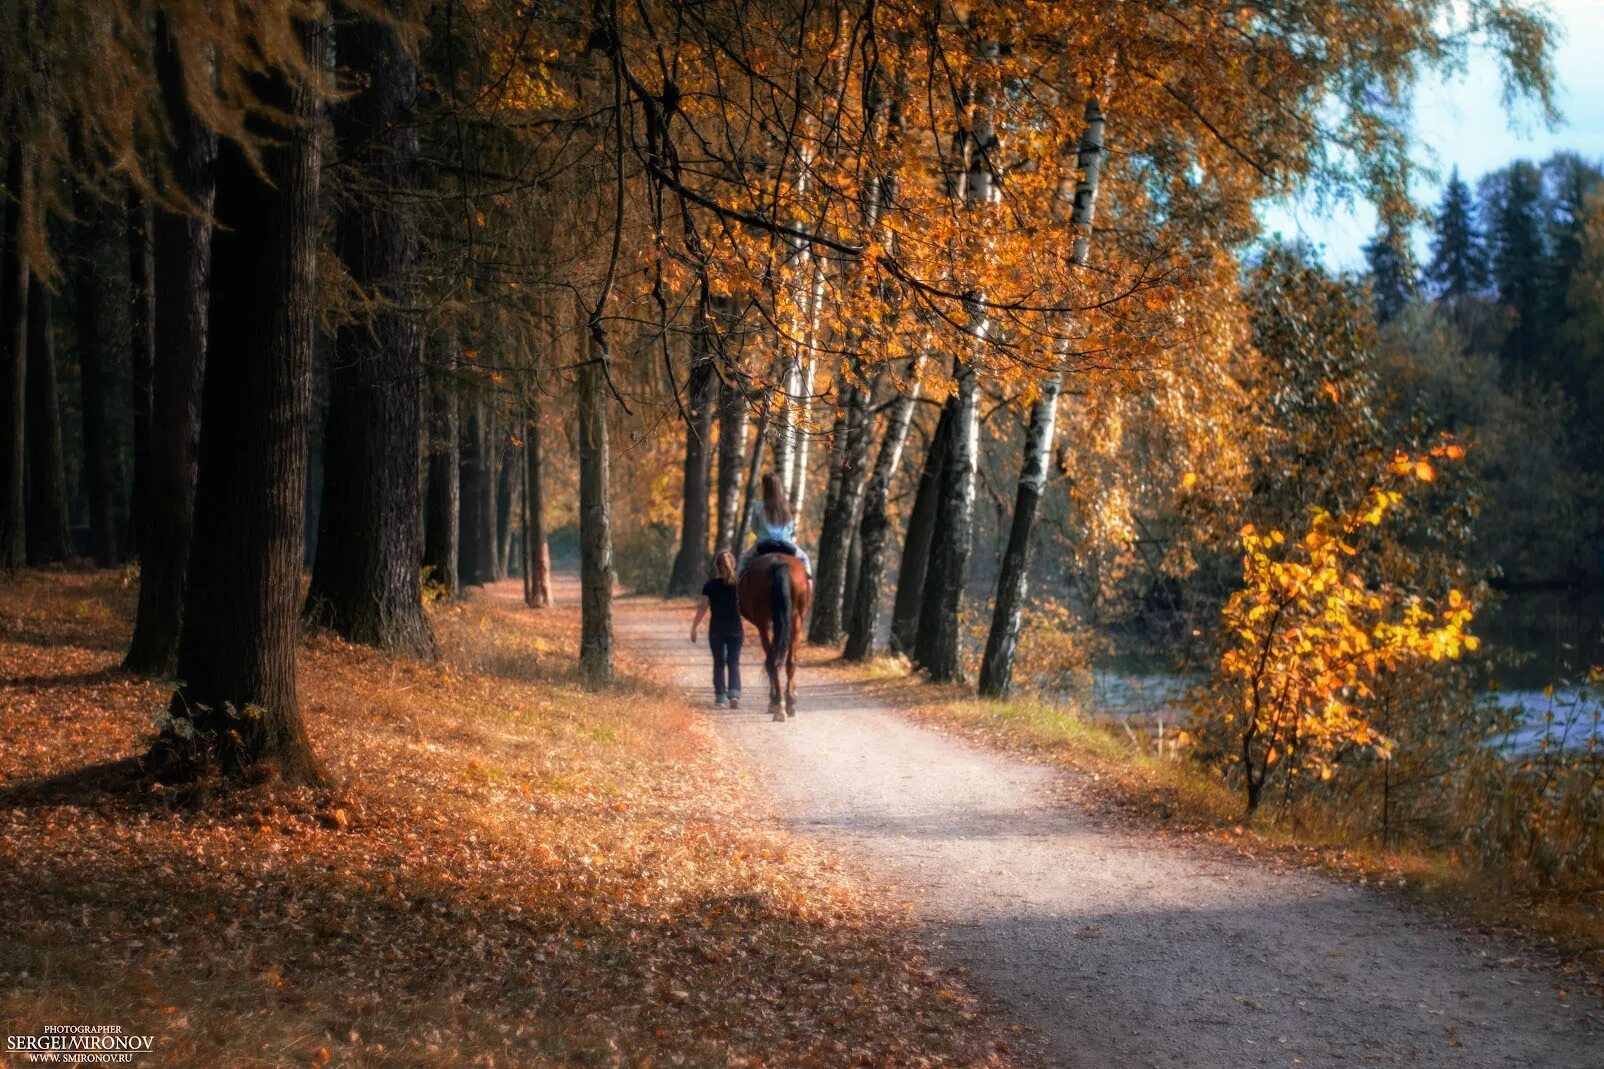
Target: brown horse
{"x":775,"y":593}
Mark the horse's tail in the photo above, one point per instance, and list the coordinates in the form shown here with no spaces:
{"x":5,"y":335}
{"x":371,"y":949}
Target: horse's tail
{"x":780,"y":606}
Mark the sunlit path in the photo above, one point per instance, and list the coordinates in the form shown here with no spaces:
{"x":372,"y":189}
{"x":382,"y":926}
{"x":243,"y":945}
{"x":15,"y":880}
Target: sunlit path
{"x":1126,"y":951}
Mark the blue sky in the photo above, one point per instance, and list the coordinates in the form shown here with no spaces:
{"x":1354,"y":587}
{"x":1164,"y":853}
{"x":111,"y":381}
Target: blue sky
{"x":1463,"y":122}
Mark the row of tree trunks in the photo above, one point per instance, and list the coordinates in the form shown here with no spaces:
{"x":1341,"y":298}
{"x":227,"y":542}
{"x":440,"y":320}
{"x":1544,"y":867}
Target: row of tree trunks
{"x":442,"y":513}
{"x":182,"y":251}
{"x":237,"y":654}
{"x":843,"y":498}
{"x":863,"y":614}
{"x":477,"y":541}
{"x":691,"y":563}
{"x":365,"y":575}
{"x":49,"y":534}
{"x":13,"y":366}
{"x":1002,"y":641}
{"x":88,"y":291}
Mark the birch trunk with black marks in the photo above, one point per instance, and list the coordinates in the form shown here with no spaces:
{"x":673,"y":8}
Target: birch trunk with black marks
{"x":840,"y":522}
{"x":863,"y":611}
{"x":181,"y":249}
{"x":942,"y":655}
{"x":1002,"y":641}
{"x":366,"y":579}
{"x":237,"y":654}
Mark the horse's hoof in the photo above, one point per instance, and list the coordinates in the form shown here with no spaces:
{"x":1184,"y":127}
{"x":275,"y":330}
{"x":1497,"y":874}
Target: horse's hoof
{"x":779,"y":717}
{"x":790,"y":710}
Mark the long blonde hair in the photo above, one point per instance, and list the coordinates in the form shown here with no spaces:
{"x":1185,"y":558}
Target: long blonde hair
{"x":724,"y":566}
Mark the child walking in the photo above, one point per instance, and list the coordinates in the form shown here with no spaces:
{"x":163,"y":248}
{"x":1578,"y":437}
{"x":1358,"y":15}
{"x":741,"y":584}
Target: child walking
{"x":724,"y":632}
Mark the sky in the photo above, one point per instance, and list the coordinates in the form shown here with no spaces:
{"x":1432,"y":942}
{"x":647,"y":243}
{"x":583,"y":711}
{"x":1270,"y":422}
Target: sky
{"x":1463,"y":122}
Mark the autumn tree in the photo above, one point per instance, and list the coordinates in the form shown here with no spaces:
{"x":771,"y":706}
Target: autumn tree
{"x":237,"y":705}
{"x":365,"y":578}
{"x":181,"y":239}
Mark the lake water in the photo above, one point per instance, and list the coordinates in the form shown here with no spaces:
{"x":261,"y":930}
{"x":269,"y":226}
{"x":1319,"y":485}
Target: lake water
{"x":1531,"y":640}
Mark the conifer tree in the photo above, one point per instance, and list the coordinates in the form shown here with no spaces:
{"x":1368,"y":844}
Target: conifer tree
{"x":1458,"y":267}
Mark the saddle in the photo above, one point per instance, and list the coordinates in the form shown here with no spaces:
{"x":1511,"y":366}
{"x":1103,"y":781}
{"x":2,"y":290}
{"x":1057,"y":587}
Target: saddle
{"x":772,"y":545}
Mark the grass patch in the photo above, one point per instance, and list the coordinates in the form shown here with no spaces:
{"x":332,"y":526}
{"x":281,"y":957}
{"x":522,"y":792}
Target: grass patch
{"x":511,"y":871}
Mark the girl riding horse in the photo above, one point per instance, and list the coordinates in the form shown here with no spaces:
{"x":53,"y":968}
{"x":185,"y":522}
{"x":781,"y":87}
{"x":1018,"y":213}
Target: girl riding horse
{"x":775,"y":590}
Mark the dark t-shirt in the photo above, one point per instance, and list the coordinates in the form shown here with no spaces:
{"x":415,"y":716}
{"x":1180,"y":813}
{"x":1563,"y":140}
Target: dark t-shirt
{"x":726,"y":607}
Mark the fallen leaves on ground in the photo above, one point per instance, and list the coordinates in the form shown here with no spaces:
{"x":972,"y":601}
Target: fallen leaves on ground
{"x":509,"y":871}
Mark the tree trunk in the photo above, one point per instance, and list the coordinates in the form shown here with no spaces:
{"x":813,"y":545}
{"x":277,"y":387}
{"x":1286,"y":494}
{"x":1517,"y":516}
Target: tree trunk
{"x":88,"y":282}
{"x":237,"y":654}
{"x":796,"y":477}
{"x":182,"y":250}
{"x":489,"y":457}
{"x":537,"y":554}
{"x":474,"y":565}
{"x":14,"y":367}
{"x":916,"y":542}
{"x":440,"y":545}
{"x":754,"y":464}
{"x":690,"y":563}
{"x":595,"y":523}
{"x":366,"y":582}
{"x":49,"y":534}
{"x":996,"y":669}
{"x":732,"y":422}
{"x":841,"y":516}
{"x":142,"y":351}
{"x":509,"y":477}
{"x":944,"y":660}
{"x":863,"y":613}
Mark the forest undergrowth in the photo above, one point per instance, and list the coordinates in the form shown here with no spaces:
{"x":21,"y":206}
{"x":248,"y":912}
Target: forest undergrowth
{"x":1125,"y":775}
{"x":506,"y":870}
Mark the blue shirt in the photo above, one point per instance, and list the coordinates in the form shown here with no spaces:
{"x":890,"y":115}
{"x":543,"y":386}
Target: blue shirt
{"x":766,"y":532}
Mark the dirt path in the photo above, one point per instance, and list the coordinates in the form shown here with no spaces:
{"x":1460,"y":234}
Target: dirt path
{"x":1125,"y":951}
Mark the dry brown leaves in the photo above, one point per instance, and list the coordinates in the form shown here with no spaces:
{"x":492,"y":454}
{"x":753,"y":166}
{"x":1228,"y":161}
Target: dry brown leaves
{"x":511,"y":872}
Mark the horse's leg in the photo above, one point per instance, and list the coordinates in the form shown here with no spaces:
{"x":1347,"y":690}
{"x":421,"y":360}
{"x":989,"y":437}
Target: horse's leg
{"x":790,"y":665}
{"x":769,"y":658}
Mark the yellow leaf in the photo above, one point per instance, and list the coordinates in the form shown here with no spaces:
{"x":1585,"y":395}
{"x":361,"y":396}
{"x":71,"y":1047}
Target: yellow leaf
{"x":1423,"y":471}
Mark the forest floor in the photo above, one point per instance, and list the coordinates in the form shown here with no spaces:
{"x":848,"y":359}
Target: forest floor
{"x":507,"y":871}
{"x":1119,"y":944}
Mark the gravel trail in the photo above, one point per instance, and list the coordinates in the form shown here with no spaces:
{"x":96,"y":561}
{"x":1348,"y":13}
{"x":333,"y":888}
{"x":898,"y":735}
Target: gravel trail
{"x":1123,"y":950}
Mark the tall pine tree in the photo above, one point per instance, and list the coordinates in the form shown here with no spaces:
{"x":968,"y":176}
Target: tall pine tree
{"x":1458,"y":267}
{"x":1513,"y":207}
{"x":1392,"y":272}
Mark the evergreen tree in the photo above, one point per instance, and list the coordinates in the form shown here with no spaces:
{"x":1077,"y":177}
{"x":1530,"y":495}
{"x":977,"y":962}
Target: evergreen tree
{"x":1392,"y":272}
{"x":1513,"y":207}
{"x":1458,"y":267}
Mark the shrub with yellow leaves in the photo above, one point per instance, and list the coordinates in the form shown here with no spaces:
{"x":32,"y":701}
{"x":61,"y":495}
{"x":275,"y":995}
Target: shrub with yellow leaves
{"x":1316,"y":628}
